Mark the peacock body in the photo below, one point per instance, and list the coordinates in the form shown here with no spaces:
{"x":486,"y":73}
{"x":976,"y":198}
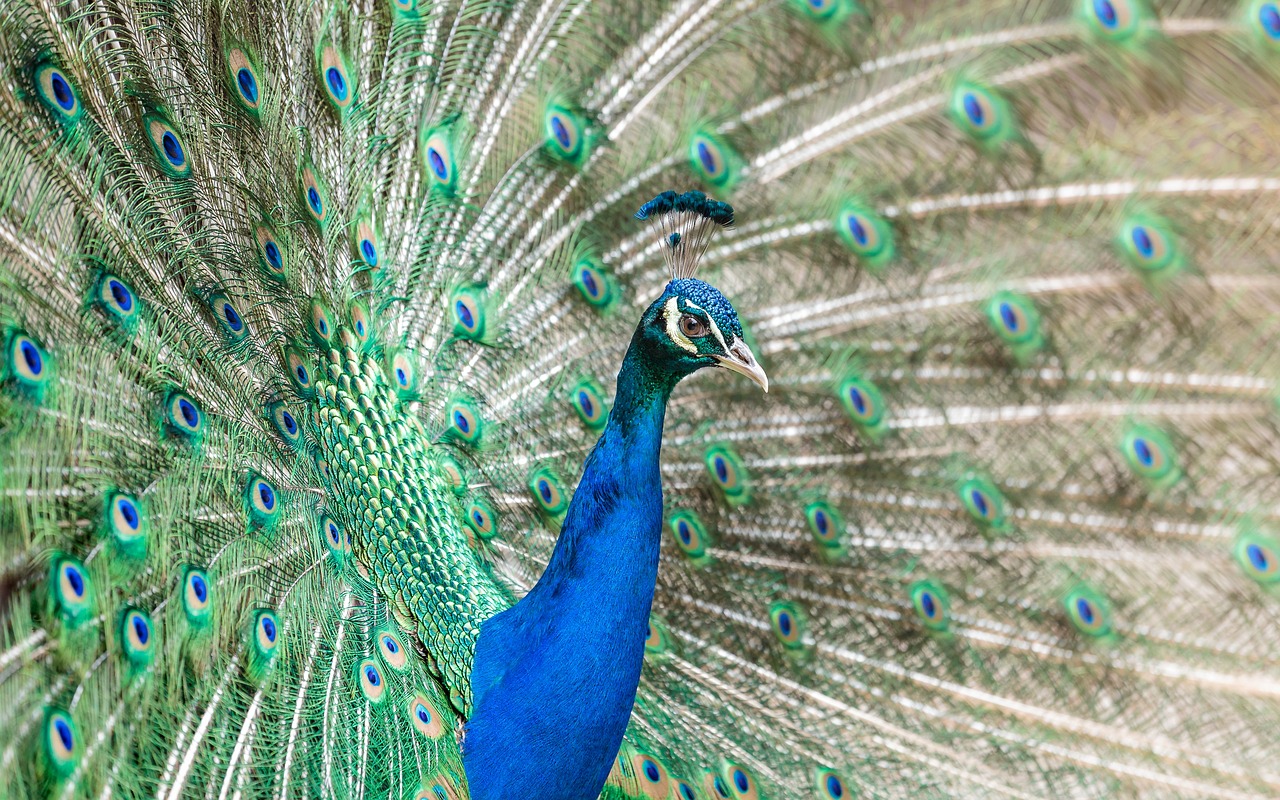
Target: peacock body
{"x":310,"y":314}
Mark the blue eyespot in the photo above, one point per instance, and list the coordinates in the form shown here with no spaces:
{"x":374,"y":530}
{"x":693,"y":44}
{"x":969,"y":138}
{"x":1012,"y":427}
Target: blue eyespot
{"x":720,"y":788}
{"x":784,"y":625}
{"x":267,"y":496}
{"x":122,"y":296}
{"x":74,"y":580}
{"x":740,"y":780}
{"x":128,"y":512}
{"x":273,"y":255}
{"x":1088,"y":611}
{"x":461,"y":422}
{"x":31,"y":357}
{"x":199,"y":588}
{"x":62,"y":91}
{"x":63,"y":731}
{"x":544,"y":489}
{"x":1142,"y":241}
{"x":269,"y":628}
{"x":1106,"y":13}
{"x":371,"y":675}
{"x":589,"y":283}
{"x":834,"y":787}
{"x":686,"y":535}
{"x":172,"y":149}
{"x":337,"y":83}
{"x":464,"y":315}
{"x":140,"y":629}
{"x":686,"y":792}
{"x":560,"y":132}
{"x":651,"y":771}
{"x":248,"y":85}
{"x":584,"y":402}
{"x":1009,"y":317}
{"x":313,"y":199}
{"x":722,"y":469}
{"x":1269,"y":17}
{"x":369,"y":252}
{"x":188,"y":411}
{"x":821,"y":522}
{"x":437,"y":164}
{"x":931,"y":605}
{"x":974,"y":110}
{"x":232,"y":317}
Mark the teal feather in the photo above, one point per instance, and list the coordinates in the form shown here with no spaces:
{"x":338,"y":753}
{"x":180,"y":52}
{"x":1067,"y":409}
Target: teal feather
{"x":1009,"y":266}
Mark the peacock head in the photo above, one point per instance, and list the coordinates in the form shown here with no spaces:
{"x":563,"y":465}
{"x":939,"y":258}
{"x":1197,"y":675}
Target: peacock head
{"x":692,"y":325}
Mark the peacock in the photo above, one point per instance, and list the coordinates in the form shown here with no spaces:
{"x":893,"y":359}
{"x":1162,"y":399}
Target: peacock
{"x":687,"y":400}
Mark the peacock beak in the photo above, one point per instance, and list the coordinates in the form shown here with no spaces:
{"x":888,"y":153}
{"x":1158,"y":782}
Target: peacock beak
{"x":739,"y":359}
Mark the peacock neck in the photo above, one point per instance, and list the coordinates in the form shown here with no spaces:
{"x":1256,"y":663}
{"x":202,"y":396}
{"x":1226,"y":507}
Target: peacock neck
{"x":621,"y":482}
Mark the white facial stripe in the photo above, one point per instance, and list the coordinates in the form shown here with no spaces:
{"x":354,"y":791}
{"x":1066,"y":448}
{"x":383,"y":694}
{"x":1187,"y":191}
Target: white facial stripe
{"x":715,"y":329}
{"x":671,"y":314}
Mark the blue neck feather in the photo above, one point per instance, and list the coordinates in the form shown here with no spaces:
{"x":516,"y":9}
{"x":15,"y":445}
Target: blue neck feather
{"x":555,"y":677}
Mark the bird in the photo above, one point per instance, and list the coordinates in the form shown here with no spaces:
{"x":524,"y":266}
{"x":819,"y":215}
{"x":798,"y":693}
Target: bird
{"x":342,"y":452}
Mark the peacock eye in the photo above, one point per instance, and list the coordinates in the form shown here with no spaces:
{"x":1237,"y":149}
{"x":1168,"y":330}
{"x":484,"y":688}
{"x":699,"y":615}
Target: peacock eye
{"x":692,"y":326}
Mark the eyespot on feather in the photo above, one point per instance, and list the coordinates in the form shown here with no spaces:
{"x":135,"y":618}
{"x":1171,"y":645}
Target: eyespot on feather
{"x":392,"y":650}
{"x":263,"y":503}
{"x":866,"y":234}
{"x":298,"y":369}
{"x":788,"y":623}
{"x":565,"y":134}
{"x":651,"y":775}
{"x":60,"y":742}
{"x":117,"y":300}
{"x":57,"y":93}
{"x":1258,"y":556}
{"x":271,"y":254}
{"x":28,"y":366}
{"x":71,"y":590}
{"x":126,"y":525}
{"x":138,"y":637}
{"x":183,"y":416}
{"x":713,"y":160}
{"x":728,"y":474}
{"x":337,"y":81}
{"x":314,"y":194}
{"x":424,"y":717}
{"x":689,"y":534}
{"x":467,"y":306}
{"x":594,"y":283}
{"x":197,"y":597}
{"x":482,"y":519}
{"x":826,"y":526}
{"x":548,"y":492}
{"x":588,"y":404}
{"x":1088,"y":611}
{"x":464,"y":422}
{"x":370,"y":679}
{"x":244,"y":79}
{"x":167,"y":145}
{"x":829,"y":784}
{"x":931,"y":604}
{"x":439,"y":160}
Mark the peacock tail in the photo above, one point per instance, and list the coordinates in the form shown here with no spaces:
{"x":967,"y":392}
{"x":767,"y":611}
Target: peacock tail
{"x":310,"y":313}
